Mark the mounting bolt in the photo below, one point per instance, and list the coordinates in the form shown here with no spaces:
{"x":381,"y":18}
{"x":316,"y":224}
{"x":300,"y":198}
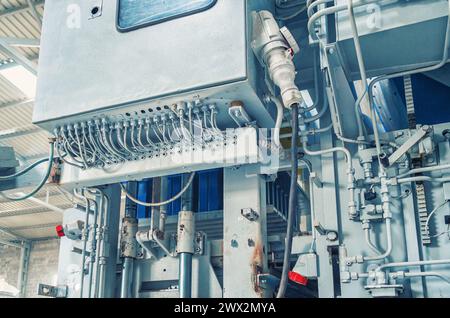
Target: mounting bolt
{"x":446,"y":134}
{"x":250,"y":214}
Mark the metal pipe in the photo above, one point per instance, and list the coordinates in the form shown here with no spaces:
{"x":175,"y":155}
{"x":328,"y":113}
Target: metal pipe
{"x":185,"y":248}
{"x":93,"y":248}
{"x":424,"y":179}
{"x":422,"y":170}
{"x":279,"y":120}
{"x":185,"y":275}
{"x":350,"y":171}
{"x":102,"y":255}
{"x":369,"y":241}
{"x":125,"y":288}
{"x":417,"y":263}
{"x":389,"y":244}
{"x":322,"y":111}
{"x":128,"y":261}
{"x":99,"y":241}
{"x":85,"y":240}
{"x":428,"y":274}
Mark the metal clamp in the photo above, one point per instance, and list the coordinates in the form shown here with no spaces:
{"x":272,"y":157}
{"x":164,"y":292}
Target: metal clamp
{"x":331,"y":235}
{"x":250,"y":214}
{"x":52,"y":291}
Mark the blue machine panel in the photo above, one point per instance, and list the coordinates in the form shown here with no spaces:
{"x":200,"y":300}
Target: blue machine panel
{"x":430,"y":99}
{"x":208,"y":191}
{"x":145,"y":195}
{"x":174,"y":185}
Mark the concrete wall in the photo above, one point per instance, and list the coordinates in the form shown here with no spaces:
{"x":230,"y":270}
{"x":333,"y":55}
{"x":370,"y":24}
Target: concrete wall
{"x":9,"y":268}
{"x":43,"y":266}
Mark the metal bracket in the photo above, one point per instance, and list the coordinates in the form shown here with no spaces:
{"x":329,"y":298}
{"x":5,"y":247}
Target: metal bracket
{"x":384,"y":290}
{"x":268,"y":281}
{"x":411,"y":142}
{"x":250,"y":214}
{"x":332,"y":236}
{"x":199,"y":243}
{"x":52,"y":291}
{"x":316,"y":179}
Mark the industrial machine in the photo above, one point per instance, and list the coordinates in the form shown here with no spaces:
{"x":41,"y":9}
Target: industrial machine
{"x":249,"y":148}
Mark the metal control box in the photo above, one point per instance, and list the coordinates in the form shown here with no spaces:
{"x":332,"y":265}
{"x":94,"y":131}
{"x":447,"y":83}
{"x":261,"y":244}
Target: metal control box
{"x":89,"y":67}
{"x":390,"y":32}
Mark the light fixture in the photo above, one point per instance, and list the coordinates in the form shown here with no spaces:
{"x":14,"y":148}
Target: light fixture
{"x":21,"y":78}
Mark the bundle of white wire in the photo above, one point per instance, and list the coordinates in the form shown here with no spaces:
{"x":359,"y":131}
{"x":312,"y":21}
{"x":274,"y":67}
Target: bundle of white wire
{"x":100,"y":143}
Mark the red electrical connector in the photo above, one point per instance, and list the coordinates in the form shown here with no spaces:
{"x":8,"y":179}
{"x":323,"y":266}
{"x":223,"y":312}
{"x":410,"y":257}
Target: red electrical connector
{"x":297,"y":278}
{"x":60,"y":231}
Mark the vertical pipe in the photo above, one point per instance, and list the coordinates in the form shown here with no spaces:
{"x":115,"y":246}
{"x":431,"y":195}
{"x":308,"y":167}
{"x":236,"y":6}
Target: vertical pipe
{"x":85,"y":240}
{"x":109,"y":282}
{"x":92,"y":255}
{"x":102,"y":250}
{"x":185,"y":275}
{"x":185,"y":248}
{"x":128,"y":262}
{"x":163,"y":209}
{"x":100,"y":240}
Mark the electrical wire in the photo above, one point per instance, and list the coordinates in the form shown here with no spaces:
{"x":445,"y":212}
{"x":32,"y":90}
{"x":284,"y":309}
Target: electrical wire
{"x":43,"y":181}
{"x":25,"y":170}
{"x":147,"y":204}
{"x":362,"y":70}
{"x":434,"y":212}
{"x":292,"y":205}
{"x":279,"y":120}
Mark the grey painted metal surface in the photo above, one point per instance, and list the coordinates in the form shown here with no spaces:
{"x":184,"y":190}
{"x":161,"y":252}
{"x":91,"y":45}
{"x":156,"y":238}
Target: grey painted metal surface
{"x":245,"y":240}
{"x":70,"y":251}
{"x":200,"y":39}
{"x":399,"y":25}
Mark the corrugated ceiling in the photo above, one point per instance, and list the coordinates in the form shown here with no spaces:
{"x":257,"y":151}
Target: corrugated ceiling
{"x":26,"y":219}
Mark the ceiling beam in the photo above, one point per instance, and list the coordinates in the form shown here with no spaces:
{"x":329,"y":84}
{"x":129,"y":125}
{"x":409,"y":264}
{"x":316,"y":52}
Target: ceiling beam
{"x":28,"y":211}
{"x":12,"y":244}
{"x":20,"y":9}
{"x":21,"y":42}
{"x":17,"y":104}
{"x":36,"y":15}
{"x":44,"y":204}
{"x":18,"y":132}
{"x":10,"y":233}
{"x":35,"y":226}
{"x":17,"y":56}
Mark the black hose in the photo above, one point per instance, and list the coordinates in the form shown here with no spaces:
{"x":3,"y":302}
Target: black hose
{"x":292,"y":205}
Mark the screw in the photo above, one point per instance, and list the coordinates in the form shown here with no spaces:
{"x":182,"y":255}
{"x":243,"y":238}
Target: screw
{"x":446,"y":134}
